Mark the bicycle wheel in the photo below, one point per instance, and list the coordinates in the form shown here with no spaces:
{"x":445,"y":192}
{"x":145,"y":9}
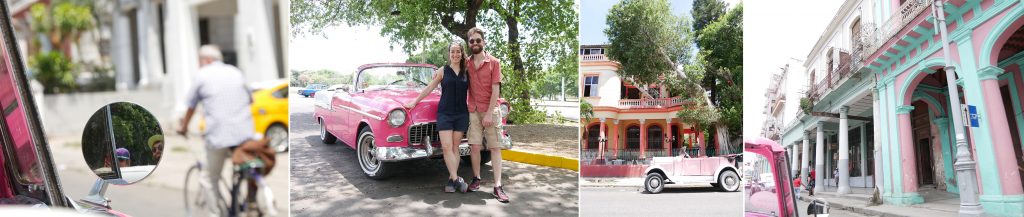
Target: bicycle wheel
{"x":196,"y":201}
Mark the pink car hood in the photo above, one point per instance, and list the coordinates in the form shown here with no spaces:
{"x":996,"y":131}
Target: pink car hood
{"x":425,"y":110}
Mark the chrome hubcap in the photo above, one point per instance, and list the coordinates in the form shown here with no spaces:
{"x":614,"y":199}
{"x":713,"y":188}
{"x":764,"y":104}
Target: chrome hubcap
{"x":366,"y":150}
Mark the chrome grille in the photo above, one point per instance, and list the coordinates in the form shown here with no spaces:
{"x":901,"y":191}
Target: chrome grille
{"x":420,"y":130}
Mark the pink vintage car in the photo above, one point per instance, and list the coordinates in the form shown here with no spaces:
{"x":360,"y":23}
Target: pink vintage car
{"x":369,"y":116}
{"x":769,"y":192}
{"x":719,"y":171}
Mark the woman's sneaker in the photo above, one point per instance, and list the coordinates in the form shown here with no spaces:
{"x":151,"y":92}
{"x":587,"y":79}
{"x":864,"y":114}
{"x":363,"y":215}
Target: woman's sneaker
{"x":461,"y":185}
{"x":449,"y":187}
{"x":475,"y":184}
{"x":499,"y":194}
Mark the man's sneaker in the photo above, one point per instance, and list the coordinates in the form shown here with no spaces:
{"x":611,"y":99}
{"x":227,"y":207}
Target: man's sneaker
{"x":449,"y":187}
{"x":500,"y":194}
{"x":461,"y":185}
{"x":475,"y":184}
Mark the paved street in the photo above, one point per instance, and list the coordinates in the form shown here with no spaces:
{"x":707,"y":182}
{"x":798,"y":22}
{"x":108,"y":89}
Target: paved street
{"x":327,"y":181}
{"x":630,"y":201}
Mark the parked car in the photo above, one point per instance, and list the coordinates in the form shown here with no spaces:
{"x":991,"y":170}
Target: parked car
{"x":720,"y":171}
{"x":369,"y":116}
{"x":270,"y":112}
{"x":28,"y":174}
{"x":771,"y":194}
{"x":311,"y":90}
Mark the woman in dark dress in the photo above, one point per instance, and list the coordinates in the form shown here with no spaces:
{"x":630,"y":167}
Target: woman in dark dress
{"x":452,"y":112}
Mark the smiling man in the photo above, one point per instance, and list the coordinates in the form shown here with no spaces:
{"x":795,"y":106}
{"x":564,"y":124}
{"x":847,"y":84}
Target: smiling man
{"x":484,"y":83}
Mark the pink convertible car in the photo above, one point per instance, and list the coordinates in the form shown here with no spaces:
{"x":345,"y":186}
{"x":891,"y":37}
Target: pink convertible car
{"x":369,"y":117}
{"x":719,"y":171}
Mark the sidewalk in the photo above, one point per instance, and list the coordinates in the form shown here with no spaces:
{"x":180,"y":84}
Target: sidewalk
{"x":937,"y":203}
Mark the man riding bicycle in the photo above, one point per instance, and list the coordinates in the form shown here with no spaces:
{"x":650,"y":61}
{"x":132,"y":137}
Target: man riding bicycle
{"x":226,"y":108}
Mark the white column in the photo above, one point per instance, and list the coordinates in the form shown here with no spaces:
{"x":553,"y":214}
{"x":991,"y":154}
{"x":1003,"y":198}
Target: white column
{"x":844,"y":152}
{"x":864,"y":153}
{"x":794,"y":164}
{"x":819,"y":159}
{"x":877,"y":137}
{"x":254,"y":40}
{"x":805,"y":152}
{"x":121,"y":50}
{"x":151,"y":66}
{"x":182,"y":45}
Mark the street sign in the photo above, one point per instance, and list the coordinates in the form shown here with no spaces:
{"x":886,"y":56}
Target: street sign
{"x":972,"y":115}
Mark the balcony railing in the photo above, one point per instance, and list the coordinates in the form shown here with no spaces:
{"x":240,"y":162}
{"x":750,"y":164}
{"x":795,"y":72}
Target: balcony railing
{"x":842,"y":70}
{"x":875,"y":38}
{"x":593,"y":57}
{"x":651,"y":103}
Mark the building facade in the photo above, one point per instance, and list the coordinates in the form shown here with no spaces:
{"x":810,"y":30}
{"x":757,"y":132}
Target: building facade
{"x":878,"y":112}
{"x":631,"y":123}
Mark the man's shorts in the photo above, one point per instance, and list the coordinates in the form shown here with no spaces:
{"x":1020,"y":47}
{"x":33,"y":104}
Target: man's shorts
{"x":478,"y":133}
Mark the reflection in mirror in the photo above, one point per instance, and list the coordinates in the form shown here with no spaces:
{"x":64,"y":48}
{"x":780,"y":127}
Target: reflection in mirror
{"x":760,"y":189}
{"x":122,"y":143}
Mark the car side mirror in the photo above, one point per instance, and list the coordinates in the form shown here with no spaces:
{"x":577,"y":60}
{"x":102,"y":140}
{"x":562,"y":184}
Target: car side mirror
{"x":122,"y":144}
{"x":344,"y":88}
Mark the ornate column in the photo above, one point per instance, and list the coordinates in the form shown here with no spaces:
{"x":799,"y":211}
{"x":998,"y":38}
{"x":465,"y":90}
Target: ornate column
{"x":601,"y":141}
{"x":643,"y":139}
{"x":615,"y":138}
{"x":908,"y":157}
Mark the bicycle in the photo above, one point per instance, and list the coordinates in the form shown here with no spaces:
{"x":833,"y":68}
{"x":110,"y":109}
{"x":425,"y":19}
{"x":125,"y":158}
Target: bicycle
{"x":247,"y":184}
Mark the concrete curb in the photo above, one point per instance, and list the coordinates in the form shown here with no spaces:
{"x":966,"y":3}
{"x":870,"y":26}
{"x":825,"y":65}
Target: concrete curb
{"x":541,"y":159}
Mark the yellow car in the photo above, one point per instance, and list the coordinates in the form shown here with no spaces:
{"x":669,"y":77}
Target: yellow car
{"x":269,"y":113}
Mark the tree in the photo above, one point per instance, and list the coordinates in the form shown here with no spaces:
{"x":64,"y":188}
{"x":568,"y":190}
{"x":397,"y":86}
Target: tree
{"x":647,"y":40}
{"x":655,"y":47}
{"x":527,"y":35}
{"x":706,"y":12}
{"x":60,"y":24}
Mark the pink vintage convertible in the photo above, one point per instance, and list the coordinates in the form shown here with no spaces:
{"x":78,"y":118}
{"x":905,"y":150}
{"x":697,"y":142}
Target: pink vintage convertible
{"x":369,"y":117}
{"x":719,"y":171}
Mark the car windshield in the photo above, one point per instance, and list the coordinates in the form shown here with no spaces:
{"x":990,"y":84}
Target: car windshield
{"x":760,"y":189}
{"x":394,"y":77}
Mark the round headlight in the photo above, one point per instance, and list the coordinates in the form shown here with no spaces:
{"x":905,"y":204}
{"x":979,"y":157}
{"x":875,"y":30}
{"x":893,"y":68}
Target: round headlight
{"x":396,"y":117}
{"x":504,"y":110}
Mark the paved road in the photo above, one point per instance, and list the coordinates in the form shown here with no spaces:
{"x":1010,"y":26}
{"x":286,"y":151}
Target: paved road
{"x":569,"y":110}
{"x":327,"y":181}
{"x":630,"y":201}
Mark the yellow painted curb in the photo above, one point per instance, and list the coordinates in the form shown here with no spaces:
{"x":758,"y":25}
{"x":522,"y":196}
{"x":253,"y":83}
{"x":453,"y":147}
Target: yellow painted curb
{"x":541,"y":159}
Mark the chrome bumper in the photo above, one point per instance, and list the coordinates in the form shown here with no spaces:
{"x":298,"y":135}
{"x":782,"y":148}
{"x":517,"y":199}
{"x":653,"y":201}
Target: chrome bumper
{"x":392,"y":154}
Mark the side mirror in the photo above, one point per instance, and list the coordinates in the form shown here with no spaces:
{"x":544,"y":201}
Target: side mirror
{"x":817,"y":207}
{"x":122,"y":144}
{"x":344,"y":88}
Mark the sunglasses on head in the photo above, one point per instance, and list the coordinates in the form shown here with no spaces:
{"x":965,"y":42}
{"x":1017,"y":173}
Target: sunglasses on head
{"x":476,"y":41}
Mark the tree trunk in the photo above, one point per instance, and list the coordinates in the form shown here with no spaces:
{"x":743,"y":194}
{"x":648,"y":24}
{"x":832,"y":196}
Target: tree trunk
{"x":514,"y":51}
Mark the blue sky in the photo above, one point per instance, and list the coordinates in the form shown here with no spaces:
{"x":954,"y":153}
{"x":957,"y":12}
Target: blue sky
{"x":593,"y":13}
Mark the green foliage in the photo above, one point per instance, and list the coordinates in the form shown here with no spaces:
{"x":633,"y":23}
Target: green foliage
{"x":435,"y":54}
{"x":647,"y":40}
{"x":805,"y":105}
{"x":706,"y":12}
{"x":133,"y":127}
{"x":586,"y":111}
{"x":323,"y":76}
{"x":531,"y":38}
{"x":53,"y":70}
